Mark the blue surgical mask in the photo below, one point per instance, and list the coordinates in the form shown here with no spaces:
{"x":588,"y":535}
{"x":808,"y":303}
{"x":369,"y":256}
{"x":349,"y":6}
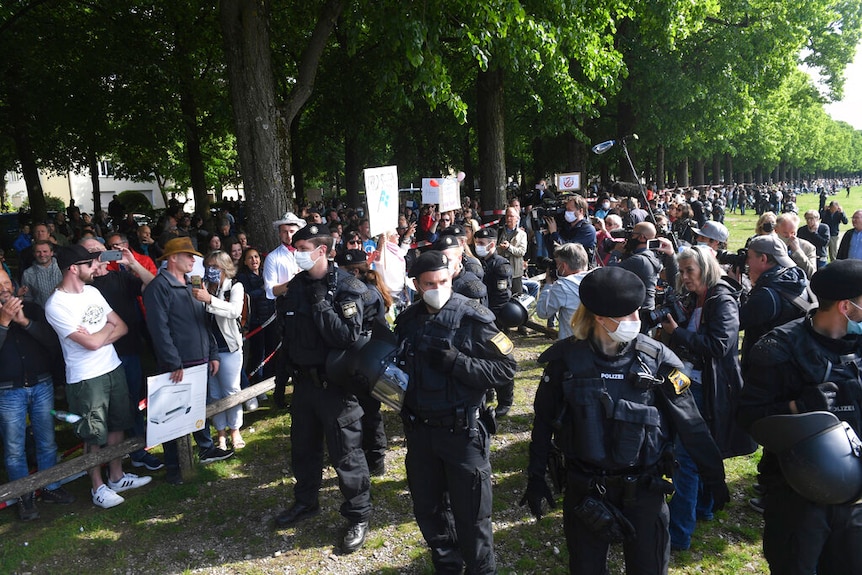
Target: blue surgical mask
{"x":212,"y":275}
{"x":854,"y":327}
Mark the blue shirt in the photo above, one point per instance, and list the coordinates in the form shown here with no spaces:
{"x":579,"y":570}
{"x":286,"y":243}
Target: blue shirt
{"x":855,"y":252}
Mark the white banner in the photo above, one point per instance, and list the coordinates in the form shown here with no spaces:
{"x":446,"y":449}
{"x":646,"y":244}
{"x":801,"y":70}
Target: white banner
{"x":430,"y":193}
{"x":569,"y":181}
{"x":449,"y":197}
{"x":176,"y":409}
{"x":381,"y":193}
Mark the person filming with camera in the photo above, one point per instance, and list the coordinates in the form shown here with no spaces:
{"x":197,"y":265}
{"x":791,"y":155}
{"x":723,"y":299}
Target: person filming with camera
{"x":707,"y":343}
{"x":559,"y":295}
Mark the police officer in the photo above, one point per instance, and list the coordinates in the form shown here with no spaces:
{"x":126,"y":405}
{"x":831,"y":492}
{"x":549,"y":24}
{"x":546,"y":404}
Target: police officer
{"x":375,"y":302}
{"x":324,"y":310}
{"x":452,"y":352}
{"x":498,"y":280}
{"x":614,"y":398}
{"x":810,"y":364}
{"x":468,"y":261}
{"x":464,"y":281}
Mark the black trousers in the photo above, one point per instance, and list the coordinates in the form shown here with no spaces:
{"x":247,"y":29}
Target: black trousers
{"x":449,"y":474}
{"x":331,"y":415}
{"x":802,"y":538}
{"x":647,"y":554}
{"x":373,"y":432}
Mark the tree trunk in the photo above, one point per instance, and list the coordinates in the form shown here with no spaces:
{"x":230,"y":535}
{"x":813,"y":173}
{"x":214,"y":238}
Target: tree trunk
{"x":659,"y":167}
{"x":352,"y":169}
{"x":682,"y":173}
{"x":252,"y":91}
{"x":195,"y":157}
{"x":716,"y":169}
{"x":23,"y":147}
{"x":467,"y":167}
{"x":728,"y":169}
{"x":93,"y":161}
{"x":492,"y":157}
{"x":697,"y":174}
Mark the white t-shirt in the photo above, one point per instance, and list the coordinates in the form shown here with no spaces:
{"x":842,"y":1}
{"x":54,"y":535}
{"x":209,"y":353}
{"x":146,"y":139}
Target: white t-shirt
{"x":278,"y":267}
{"x":66,"y":312}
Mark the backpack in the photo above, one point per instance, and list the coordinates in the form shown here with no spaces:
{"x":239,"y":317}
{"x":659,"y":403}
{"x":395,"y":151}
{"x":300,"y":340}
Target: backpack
{"x":242,"y":320}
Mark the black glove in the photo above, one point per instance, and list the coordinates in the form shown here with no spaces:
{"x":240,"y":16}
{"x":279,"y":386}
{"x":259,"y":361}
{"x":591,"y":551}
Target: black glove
{"x":537,"y":490}
{"x":817,"y":398}
{"x":317,"y":291}
{"x":442,"y":354}
{"x":720,"y":495}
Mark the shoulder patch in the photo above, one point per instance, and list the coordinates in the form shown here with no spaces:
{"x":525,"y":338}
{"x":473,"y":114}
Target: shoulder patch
{"x":348,"y":309}
{"x":502,"y":342}
{"x":502,"y":284}
{"x":680,"y":381}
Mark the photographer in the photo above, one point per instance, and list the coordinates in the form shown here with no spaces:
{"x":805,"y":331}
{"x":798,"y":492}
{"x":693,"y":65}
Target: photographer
{"x":712,"y":234}
{"x":560,"y":292}
{"x":707,"y":344}
{"x":647,"y":263}
{"x":605,"y":240}
{"x":574,"y":228}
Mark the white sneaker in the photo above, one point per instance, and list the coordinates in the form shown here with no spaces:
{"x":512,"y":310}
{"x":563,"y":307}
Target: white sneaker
{"x":129,"y":481}
{"x":105,"y":497}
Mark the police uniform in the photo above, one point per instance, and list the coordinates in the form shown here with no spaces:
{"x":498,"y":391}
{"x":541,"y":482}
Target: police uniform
{"x":614,"y":419}
{"x":320,"y":409}
{"x":451,"y":356}
{"x":789,"y":364}
{"x":471,"y":264}
{"x":374,"y":441}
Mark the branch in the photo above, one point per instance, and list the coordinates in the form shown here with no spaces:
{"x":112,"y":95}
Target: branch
{"x":311,"y":60}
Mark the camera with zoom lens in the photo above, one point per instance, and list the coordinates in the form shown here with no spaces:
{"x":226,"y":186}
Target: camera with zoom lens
{"x":670,"y":303}
{"x":548,"y":209}
{"x":735,"y":260}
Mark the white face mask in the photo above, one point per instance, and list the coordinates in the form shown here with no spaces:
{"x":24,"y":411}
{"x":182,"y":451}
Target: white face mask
{"x":627,"y":330}
{"x":437,"y":298}
{"x":606,"y":205}
{"x":305,"y":261}
{"x":482,"y":251}
{"x":571,"y":216}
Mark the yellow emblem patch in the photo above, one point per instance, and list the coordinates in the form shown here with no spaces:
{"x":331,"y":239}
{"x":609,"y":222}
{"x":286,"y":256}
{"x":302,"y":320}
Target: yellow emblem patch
{"x":680,"y":381}
{"x":503,"y":343}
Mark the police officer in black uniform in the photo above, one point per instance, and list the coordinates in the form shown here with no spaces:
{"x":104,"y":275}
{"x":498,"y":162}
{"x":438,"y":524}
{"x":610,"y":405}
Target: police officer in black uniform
{"x":613,"y":399}
{"x":452,"y":352}
{"x":810,"y":364}
{"x":464,"y":281}
{"x":470,"y":263}
{"x":498,"y":280}
{"x":374,"y":304}
{"x":324,"y":310}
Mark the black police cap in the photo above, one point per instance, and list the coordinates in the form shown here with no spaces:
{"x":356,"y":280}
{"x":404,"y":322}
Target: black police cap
{"x":454,"y":230}
{"x":350,"y":257}
{"x":490,"y":233}
{"x":310,"y":232}
{"x":446,"y":242}
{"x":612,"y":292}
{"x":842,"y":279}
{"x":430,"y":261}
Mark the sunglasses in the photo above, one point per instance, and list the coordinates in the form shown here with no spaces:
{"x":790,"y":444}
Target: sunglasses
{"x":351,"y":242}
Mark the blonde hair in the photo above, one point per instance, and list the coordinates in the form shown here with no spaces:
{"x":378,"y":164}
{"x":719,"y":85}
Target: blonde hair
{"x":583,"y":321}
{"x":764,"y":217}
{"x":222,"y":260}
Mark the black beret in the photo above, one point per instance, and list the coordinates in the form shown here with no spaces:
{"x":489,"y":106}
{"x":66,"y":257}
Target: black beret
{"x":430,"y":261}
{"x":486,"y":233}
{"x":446,"y":242}
{"x":454,"y":230}
{"x":350,"y":257}
{"x":74,"y":254}
{"x":311,"y":231}
{"x":842,"y":279}
{"x":612,"y":292}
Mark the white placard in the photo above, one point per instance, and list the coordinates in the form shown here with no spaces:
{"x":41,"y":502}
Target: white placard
{"x":569,"y":181}
{"x":381,"y":193}
{"x":449,"y":197}
{"x":430,"y":194}
{"x":176,"y":409}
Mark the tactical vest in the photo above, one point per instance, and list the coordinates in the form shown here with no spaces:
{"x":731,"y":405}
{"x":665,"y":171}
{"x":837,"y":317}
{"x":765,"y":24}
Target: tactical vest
{"x":431,"y":392}
{"x":612,"y":424}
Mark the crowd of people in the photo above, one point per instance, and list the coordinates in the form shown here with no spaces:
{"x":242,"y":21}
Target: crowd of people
{"x":646,"y":381}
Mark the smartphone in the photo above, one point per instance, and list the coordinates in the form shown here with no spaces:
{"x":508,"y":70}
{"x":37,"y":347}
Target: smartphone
{"x":654,"y":245}
{"x":110,"y":256}
{"x":196,"y":282}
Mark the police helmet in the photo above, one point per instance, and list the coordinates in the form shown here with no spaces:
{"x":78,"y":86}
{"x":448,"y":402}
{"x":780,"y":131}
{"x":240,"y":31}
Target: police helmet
{"x":515,"y":311}
{"x":819,"y":454}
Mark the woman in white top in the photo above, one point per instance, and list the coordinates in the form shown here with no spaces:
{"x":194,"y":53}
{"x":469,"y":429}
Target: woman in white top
{"x":224,"y":301}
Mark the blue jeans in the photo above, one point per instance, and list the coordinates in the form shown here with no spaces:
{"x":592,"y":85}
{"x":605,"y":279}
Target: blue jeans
{"x":15,"y":404}
{"x":691,"y":498}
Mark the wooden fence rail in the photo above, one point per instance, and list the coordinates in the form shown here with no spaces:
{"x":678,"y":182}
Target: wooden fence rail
{"x":15,"y":489}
